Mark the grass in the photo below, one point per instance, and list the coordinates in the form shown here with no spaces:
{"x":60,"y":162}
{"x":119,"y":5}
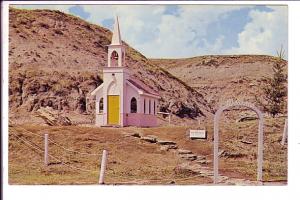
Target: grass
{"x":129,"y":158}
{"x":274,"y":157}
{"x":132,"y":161}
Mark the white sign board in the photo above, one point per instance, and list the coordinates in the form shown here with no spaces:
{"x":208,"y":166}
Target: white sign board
{"x":197,"y":134}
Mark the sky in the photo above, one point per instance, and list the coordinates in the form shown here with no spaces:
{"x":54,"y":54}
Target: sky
{"x":178,"y":31}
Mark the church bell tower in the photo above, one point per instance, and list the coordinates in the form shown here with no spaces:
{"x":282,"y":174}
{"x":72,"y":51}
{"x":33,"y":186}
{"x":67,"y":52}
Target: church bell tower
{"x":115,"y":75}
{"x":116,"y":50}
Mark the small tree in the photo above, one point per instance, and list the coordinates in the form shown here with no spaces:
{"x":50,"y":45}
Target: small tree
{"x":275,"y":89}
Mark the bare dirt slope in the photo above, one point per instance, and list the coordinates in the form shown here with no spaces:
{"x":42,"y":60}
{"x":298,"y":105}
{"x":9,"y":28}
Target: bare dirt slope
{"x":56,"y":59}
{"x":220,"y":78}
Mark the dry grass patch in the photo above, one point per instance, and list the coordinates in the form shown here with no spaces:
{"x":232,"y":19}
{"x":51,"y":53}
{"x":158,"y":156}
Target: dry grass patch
{"x":130,"y":160}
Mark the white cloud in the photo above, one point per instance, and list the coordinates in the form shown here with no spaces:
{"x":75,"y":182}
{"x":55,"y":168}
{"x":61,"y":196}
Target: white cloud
{"x":265,"y":34}
{"x":182,"y":35}
{"x":156,"y":34}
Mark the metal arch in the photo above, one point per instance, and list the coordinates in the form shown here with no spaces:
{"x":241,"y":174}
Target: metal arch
{"x":260,"y":137}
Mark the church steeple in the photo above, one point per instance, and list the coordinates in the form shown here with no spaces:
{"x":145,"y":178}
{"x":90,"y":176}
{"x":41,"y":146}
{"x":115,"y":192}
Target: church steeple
{"x":116,"y":38}
{"x":120,"y":99}
{"x":116,"y":50}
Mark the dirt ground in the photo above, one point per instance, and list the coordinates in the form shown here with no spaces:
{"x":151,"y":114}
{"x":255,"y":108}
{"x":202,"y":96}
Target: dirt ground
{"x":75,"y":154}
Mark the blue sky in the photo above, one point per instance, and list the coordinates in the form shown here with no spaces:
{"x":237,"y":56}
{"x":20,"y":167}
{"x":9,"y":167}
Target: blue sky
{"x":174,"y":31}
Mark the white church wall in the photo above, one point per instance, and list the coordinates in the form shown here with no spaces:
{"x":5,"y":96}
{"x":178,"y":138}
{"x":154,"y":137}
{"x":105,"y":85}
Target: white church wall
{"x":98,"y":115}
{"x":99,"y":119}
{"x":113,"y":78}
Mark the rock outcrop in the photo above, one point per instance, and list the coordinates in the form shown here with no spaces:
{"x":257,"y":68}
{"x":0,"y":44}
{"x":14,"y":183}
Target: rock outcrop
{"x":51,"y":118}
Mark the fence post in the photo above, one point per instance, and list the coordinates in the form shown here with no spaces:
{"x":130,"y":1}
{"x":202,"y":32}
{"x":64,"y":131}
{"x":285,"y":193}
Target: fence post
{"x":46,"y":161}
{"x":285,"y":131}
{"x":169,"y":119}
{"x":86,"y":104}
{"x":102,"y":167}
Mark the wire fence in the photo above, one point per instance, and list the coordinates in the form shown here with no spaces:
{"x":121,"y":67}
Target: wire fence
{"x":37,"y":148}
{"x":61,"y":146}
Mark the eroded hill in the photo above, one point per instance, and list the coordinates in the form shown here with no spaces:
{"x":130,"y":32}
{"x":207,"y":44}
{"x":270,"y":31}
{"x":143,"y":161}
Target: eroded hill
{"x":220,"y":78}
{"x":56,"y":59}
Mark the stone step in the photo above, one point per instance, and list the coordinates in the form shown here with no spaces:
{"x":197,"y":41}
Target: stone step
{"x":201,"y":157}
{"x":153,"y":136}
{"x":183,"y":151}
{"x":205,"y":172}
{"x":166,"y":142}
{"x":167,"y":147}
{"x":149,"y":139}
{"x":190,"y":157}
{"x":201,"y":161}
{"x":133,"y":135}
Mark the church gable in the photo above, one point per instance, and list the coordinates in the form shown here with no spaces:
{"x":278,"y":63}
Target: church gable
{"x":98,"y":91}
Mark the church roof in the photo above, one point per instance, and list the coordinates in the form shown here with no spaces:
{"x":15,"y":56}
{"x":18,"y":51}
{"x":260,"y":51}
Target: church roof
{"x":141,"y":86}
{"x":99,"y":88}
{"x":116,"y":37}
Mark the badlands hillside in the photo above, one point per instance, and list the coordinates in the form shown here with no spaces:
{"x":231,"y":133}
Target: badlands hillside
{"x":219,"y":78}
{"x":56,"y":60}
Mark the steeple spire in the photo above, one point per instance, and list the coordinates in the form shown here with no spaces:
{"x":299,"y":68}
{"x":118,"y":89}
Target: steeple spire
{"x":116,"y":51}
{"x":116,"y":38}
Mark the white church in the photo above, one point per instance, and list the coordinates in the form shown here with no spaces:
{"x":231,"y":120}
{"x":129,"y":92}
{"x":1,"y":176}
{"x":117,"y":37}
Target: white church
{"x":120,"y":99}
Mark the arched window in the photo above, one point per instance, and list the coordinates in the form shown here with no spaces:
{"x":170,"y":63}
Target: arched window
{"x":101,"y":105}
{"x":114,"y":59}
{"x":144,"y":106}
{"x":149,"y":106}
{"x":154,"y":108}
{"x":133,"y":105}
